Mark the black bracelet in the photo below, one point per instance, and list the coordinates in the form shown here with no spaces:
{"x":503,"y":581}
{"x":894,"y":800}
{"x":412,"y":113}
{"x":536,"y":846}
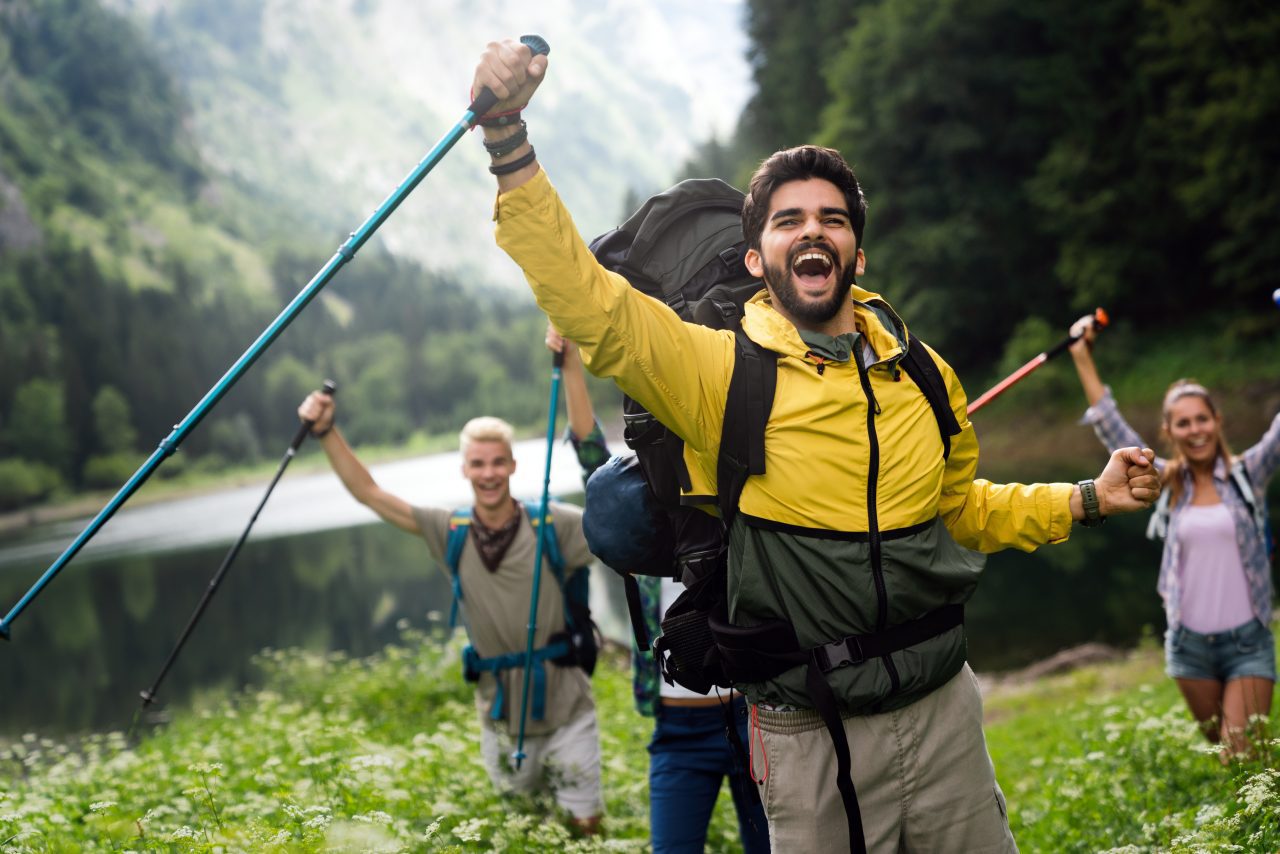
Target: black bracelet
{"x":515,"y":165}
{"x":325,"y":432}
{"x":503,"y":147}
{"x":501,"y":120}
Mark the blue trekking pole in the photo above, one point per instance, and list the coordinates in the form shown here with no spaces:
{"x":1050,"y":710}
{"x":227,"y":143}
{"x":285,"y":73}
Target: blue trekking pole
{"x":557,"y":365}
{"x":481,"y":105}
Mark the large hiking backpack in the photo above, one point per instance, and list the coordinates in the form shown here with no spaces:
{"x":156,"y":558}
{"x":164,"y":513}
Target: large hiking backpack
{"x":685,"y":247}
{"x":577,"y":645}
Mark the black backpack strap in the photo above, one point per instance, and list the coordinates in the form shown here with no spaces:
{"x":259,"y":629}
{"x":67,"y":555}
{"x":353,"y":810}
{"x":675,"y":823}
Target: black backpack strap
{"x":746,"y":413}
{"x":920,"y":366}
{"x":636,"y":611}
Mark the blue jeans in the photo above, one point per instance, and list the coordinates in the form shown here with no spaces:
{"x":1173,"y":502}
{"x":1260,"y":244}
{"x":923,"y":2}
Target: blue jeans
{"x":1247,"y":650}
{"x":689,"y":757}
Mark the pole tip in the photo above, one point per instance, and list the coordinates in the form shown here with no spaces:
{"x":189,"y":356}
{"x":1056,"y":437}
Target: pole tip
{"x":518,"y":757}
{"x":4,"y":631}
{"x":147,"y":697}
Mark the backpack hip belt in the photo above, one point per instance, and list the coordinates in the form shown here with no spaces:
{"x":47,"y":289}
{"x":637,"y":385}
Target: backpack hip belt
{"x":765,"y":651}
{"x":473,"y":665}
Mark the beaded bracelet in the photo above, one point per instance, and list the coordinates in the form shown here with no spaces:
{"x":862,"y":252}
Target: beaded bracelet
{"x":503,"y":147}
{"x":514,"y":165}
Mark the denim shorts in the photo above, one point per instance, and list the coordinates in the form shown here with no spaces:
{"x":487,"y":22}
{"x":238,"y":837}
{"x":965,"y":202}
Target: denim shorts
{"x":1248,"y":650}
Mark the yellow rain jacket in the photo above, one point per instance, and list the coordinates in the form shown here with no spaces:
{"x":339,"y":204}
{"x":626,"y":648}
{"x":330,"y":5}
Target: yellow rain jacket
{"x":838,"y":462}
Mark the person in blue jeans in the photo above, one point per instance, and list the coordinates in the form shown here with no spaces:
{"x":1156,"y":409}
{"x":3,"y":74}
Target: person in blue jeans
{"x":1215,"y":572}
{"x":690,"y":754}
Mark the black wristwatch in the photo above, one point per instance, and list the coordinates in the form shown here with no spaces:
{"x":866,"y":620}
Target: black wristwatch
{"x":1089,"y":500}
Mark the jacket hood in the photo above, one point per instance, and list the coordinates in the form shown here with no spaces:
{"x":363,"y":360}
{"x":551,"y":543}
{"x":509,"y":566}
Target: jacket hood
{"x":875,"y":318}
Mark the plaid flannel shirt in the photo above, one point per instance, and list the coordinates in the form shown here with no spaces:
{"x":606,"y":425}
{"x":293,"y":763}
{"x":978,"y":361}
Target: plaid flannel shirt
{"x":1260,"y":463}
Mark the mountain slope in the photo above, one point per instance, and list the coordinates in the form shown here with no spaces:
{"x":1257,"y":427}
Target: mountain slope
{"x":325,"y":107}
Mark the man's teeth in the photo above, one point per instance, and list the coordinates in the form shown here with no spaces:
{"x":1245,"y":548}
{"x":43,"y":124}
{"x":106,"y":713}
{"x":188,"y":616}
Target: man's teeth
{"x":814,"y":256}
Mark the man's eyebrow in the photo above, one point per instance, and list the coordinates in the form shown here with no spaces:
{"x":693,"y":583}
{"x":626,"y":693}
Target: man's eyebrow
{"x":790,"y":212}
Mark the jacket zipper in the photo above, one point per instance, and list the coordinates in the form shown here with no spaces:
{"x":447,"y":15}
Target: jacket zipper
{"x":873,"y":524}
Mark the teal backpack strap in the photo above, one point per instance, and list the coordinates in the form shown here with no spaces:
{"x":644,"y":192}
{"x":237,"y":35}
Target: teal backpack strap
{"x":552,"y":546}
{"x":574,"y":588}
{"x":459,"y":527}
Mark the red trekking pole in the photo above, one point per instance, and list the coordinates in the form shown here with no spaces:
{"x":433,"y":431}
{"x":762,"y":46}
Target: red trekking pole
{"x":1100,"y":321}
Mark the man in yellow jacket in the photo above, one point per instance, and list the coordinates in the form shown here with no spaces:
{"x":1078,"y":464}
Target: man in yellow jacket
{"x":862,"y":526}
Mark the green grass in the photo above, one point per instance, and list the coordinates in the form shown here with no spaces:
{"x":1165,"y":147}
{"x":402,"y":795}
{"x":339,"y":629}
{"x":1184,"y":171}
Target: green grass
{"x":1107,"y":758}
{"x":382,"y":754}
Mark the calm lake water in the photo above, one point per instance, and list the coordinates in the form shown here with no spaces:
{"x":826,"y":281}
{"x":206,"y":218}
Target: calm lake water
{"x":320,"y":572}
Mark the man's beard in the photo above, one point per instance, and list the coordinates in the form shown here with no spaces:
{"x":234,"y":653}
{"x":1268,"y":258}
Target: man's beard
{"x":784,"y":291}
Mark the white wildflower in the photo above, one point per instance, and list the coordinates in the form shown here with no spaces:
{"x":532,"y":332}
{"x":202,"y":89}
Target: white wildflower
{"x":471,"y":829}
{"x":1260,"y":789}
{"x":372,"y":760}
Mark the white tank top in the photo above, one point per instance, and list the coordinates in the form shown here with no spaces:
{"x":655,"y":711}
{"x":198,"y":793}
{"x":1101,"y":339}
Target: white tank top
{"x":1215,"y":595}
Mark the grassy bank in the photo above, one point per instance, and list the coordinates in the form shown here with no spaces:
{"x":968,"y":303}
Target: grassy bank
{"x":381,"y":754}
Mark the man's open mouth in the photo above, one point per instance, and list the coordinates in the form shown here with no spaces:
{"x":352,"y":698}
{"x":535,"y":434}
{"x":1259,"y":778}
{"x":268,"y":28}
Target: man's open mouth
{"x":812,"y":267}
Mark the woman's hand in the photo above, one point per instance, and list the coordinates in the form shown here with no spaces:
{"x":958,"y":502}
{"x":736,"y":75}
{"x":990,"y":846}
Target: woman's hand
{"x":1085,"y":331}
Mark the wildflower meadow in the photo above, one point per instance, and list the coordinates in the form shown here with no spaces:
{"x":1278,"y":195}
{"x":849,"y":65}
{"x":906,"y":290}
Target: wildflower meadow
{"x":328,"y":753}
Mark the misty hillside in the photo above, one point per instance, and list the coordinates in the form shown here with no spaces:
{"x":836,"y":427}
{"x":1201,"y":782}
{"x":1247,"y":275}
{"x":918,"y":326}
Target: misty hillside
{"x":324,"y":107}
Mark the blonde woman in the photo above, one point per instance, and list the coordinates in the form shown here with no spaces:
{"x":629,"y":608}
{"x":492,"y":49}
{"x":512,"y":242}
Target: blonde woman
{"x":1215,"y":572}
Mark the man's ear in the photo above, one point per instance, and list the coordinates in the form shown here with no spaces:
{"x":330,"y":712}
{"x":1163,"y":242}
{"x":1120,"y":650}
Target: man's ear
{"x":754,"y":263}
{"x":862,"y":263}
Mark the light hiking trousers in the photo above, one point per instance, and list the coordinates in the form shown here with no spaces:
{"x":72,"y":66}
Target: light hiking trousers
{"x":567,"y":760}
{"x":924,"y":780}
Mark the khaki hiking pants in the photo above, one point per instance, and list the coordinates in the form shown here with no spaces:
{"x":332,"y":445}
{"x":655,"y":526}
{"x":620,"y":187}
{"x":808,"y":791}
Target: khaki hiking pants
{"x":924,"y":780}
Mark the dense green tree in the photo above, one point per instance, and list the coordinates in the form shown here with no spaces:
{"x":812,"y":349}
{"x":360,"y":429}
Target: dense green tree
{"x":36,"y":428}
{"x":792,"y":45}
{"x":930,"y":108}
{"x":23,"y":482}
{"x":1037,"y":159}
{"x":112,"y":424}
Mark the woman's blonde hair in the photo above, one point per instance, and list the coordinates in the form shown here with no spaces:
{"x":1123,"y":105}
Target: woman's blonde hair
{"x":485,"y":428}
{"x":1172,"y":478}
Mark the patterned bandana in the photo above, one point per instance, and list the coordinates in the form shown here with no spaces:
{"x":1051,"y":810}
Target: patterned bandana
{"x":493,"y":544}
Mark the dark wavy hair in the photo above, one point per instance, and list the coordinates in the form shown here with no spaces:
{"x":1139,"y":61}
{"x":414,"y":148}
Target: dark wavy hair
{"x":799,"y":164}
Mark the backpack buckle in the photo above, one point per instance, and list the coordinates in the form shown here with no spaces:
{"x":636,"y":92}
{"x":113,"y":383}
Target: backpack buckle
{"x":732,"y":259}
{"x":843,"y":653}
